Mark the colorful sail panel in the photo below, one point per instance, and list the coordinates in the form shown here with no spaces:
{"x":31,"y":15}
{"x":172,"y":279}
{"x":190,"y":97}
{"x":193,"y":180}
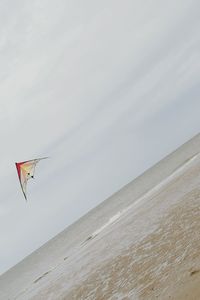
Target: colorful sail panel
{"x":26,"y":171}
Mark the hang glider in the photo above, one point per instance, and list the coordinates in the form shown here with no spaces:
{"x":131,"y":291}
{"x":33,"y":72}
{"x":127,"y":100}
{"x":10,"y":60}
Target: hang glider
{"x":26,"y":171}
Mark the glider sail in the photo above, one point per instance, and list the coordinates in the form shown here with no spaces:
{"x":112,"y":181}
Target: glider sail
{"x":26,"y":170}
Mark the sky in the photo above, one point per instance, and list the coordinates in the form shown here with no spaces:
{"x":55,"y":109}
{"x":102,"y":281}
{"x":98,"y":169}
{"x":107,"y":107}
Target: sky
{"x":105,"y":89}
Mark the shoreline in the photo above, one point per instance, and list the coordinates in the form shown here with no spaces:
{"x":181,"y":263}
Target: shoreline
{"x":150,"y":251}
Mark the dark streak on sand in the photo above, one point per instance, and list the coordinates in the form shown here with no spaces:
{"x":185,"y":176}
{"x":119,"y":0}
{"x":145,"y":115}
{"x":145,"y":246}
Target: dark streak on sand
{"x":39,"y":278}
{"x":194,"y":272}
{"x":89,"y":238}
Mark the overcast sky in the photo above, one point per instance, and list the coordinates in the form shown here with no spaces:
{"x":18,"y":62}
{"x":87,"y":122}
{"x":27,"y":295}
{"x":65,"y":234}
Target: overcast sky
{"x":104,"y":88}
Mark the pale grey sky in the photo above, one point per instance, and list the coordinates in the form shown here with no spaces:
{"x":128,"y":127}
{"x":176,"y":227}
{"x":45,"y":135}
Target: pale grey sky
{"x":105,"y":88}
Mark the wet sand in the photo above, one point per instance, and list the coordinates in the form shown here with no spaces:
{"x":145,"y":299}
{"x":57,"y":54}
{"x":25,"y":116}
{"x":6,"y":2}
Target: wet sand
{"x":165,"y":264}
{"x":148,"y":249}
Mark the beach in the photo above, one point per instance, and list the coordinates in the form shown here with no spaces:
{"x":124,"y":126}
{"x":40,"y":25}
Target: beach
{"x":143,"y":243}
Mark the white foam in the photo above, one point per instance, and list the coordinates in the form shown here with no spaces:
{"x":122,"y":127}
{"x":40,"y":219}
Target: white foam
{"x":110,"y":221}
